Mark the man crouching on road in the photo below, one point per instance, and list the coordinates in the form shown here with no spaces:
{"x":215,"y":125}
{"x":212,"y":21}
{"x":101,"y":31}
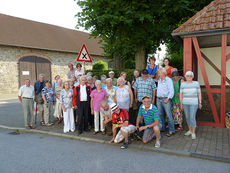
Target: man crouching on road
{"x":149,"y":113}
{"x":120,"y":119}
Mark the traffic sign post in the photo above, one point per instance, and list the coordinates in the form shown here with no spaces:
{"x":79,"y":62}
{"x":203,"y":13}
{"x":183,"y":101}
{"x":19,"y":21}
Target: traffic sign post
{"x":84,"y":55}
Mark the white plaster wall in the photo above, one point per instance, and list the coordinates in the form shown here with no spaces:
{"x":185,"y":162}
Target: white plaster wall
{"x":214,"y":54}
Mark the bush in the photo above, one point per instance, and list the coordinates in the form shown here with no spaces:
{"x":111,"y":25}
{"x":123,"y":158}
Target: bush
{"x":117,"y":73}
{"x":100,"y":65}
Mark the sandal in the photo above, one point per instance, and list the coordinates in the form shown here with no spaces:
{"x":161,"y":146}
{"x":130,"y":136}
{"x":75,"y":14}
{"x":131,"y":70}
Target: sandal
{"x":179,"y":128}
{"x":95,"y":132}
{"x":169,"y":134}
{"x":42,"y":123}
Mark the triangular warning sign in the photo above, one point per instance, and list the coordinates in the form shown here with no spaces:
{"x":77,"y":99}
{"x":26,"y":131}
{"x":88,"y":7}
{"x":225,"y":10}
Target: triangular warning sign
{"x":84,"y":55}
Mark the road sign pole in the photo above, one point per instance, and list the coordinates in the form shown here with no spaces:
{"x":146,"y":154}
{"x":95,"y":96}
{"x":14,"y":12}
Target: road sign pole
{"x":84,"y":67}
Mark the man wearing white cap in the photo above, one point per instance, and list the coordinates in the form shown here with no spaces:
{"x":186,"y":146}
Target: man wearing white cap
{"x":120,"y":119}
{"x":114,"y":80}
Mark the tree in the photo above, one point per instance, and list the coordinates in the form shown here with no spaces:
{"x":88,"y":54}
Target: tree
{"x":133,"y":28}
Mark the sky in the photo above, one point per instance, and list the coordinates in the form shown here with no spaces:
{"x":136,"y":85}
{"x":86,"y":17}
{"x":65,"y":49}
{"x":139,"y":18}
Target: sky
{"x":55,"y":12}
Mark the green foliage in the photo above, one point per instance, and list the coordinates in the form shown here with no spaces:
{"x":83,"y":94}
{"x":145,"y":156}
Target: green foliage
{"x":130,"y":64}
{"x":100,"y":65}
{"x":174,"y":50}
{"x":126,"y":25}
{"x":176,"y":60}
{"x":98,"y":73}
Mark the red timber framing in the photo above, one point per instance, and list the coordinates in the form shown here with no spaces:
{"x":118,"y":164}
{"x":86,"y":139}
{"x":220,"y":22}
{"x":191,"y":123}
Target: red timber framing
{"x":191,"y":48}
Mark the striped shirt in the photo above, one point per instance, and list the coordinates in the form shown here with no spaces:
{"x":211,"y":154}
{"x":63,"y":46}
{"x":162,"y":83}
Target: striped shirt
{"x":190,"y":92}
{"x":149,"y":116}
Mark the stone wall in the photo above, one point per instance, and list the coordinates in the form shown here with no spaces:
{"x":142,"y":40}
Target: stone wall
{"x":9,"y":69}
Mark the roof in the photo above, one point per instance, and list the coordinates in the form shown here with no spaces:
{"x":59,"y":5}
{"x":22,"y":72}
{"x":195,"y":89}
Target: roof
{"x":215,"y":16}
{"x":31,"y":34}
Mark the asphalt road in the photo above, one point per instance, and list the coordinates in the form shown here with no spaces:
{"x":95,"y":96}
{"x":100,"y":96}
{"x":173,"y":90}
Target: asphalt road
{"x":11,"y":113}
{"x":33,"y":153}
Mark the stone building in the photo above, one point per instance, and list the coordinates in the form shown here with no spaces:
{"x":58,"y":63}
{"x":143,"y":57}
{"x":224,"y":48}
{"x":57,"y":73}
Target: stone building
{"x":28,"y":48}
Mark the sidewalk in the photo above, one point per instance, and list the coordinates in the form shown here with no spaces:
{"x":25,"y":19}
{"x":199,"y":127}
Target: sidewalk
{"x":211,"y":143}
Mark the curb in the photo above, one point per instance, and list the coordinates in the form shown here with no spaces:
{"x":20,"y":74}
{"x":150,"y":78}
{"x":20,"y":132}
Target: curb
{"x":133,"y":146}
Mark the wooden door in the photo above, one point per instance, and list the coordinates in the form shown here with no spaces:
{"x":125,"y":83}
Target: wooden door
{"x":27,"y":69}
{"x":31,"y":66}
{"x":43,"y":66}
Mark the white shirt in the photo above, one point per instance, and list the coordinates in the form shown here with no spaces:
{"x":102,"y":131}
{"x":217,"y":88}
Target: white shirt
{"x":83,"y":94}
{"x":27,"y":92}
{"x":77,"y":73}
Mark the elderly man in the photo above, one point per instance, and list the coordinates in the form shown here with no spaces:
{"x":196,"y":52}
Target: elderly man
{"x":106,"y":112}
{"x":120,"y":119}
{"x":81,"y":103}
{"x":71,"y":71}
{"x":114,"y":80}
{"x":38,"y":86}
{"x":144,"y":86}
{"x":26,"y":95}
{"x":149,"y":113}
{"x":165,"y":93}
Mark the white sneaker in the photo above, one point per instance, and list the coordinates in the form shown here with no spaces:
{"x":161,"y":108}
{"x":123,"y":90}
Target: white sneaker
{"x":188,"y":133}
{"x":157,"y":144}
{"x":193,"y":136}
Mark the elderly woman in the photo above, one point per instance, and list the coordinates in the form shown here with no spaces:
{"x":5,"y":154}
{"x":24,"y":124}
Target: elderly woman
{"x":152,"y":67}
{"x":167,"y":67}
{"x":176,"y":109}
{"x":103,"y":81}
{"x":58,"y":107}
{"x":110,"y":89}
{"x":123,"y":95}
{"x":66,"y":102}
{"x":89,"y":74}
{"x":90,"y":82}
{"x":48,"y":97}
{"x":55,"y":83}
{"x":97,"y":96}
{"x":79,"y":70}
{"x":190,"y":100}
{"x":124,"y":75}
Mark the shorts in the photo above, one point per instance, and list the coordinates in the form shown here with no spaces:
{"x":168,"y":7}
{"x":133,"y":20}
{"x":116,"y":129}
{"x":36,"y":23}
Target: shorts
{"x":149,"y":133}
{"x":129,"y":129}
{"x":40,"y":107}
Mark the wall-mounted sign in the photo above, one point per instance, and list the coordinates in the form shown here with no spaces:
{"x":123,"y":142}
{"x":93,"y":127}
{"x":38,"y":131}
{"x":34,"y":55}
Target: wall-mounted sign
{"x":25,"y":73}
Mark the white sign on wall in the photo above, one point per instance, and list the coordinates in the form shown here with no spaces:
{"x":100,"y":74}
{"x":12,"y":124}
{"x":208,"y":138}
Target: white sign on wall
{"x":25,"y":73}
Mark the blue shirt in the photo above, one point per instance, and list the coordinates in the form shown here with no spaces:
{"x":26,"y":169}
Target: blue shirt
{"x":38,"y":86}
{"x":49,"y":94}
{"x":149,"y":116}
{"x":152,"y":71}
{"x":165,"y":88}
{"x":144,"y":88}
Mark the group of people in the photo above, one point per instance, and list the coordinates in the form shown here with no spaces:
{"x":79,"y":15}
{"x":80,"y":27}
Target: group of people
{"x":152,"y":102}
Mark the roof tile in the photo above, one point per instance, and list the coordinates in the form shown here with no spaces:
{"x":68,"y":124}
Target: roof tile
{"x":216,"y":15}
{"x":21,"y":32}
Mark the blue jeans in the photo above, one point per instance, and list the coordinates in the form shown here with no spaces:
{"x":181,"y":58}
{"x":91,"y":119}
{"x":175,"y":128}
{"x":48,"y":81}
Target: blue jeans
{"x":162,"y":107}
{"x":190,"y":114}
